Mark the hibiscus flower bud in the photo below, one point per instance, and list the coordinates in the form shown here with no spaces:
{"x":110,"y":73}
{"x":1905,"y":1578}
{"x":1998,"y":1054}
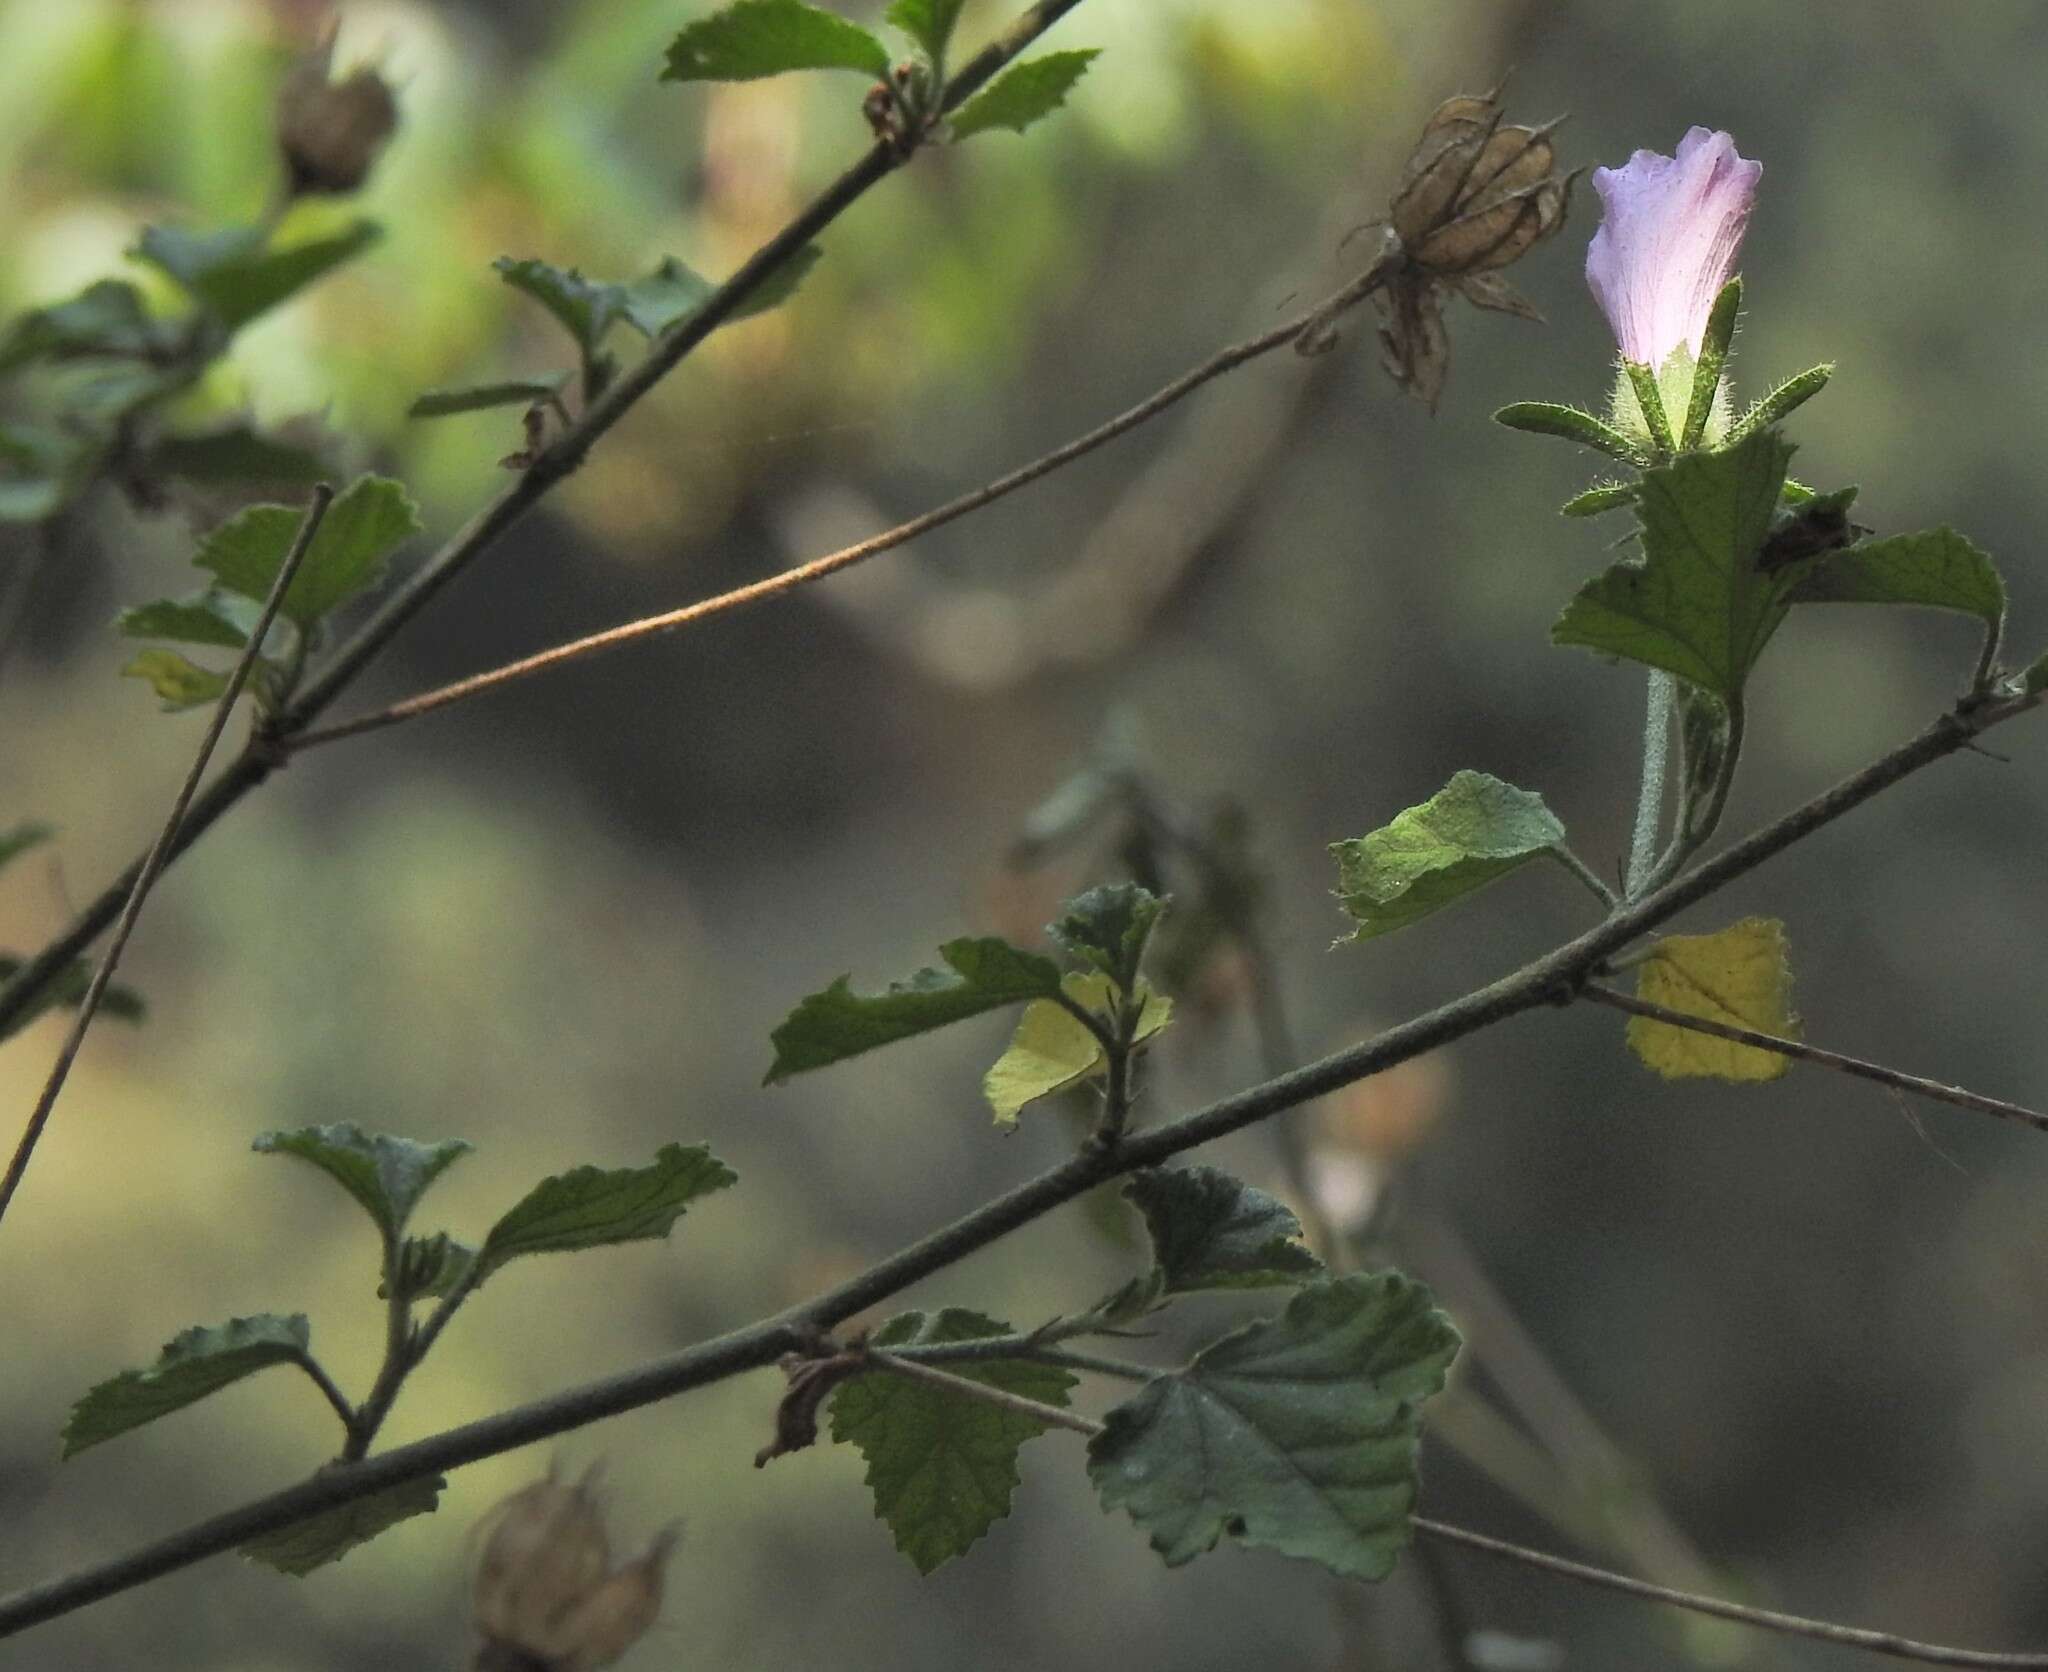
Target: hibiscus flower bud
{"x":330,"y":132}
{"x":1670,"y":230}
{"x":545,"y":1593}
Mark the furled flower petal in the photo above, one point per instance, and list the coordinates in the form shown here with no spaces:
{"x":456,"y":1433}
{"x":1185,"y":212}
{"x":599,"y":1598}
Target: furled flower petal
{"x":1669,"y":234}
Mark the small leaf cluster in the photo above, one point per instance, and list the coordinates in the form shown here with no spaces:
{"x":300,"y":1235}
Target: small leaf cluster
{"x":366,"y":522}
{"x":386,"y":1176}
{"x":102,"y":373}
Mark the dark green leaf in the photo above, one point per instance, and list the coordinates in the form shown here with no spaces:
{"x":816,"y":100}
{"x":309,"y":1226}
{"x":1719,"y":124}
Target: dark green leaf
{"x":585,"y":308}
{"x":780,"y":285}
{"x":106,"y":318}
{"x":386,"y":1175}
{"x":234,"y":454}
{"x":1938,"y":569}
{"x":1568,"y":423}
{"x":209,"y":617}
{"x":179,"y":682}
{"x":1108,"y":927}
{"x":1696,"y":604}
{"x":981,"y":975}
{"x":1297,"y":1434}
{"x":1022,"y":94}
{"x":1792,"y":393}
{"x":1594,"y":501}
{"x":589,"y":1207}
{"x":363,"y":524}
{"x":1473,"y":831}
{"x":941,"y":1465}
{"x":669,"y":293}
{"x":430,"y":1266}
{"x":28,"y":834}
{"x":927,"y":22}
{"x":332,"y":1534}
{"x":1713,"y":356}
{"x":753,"y":38}
{"x":69,"y":988}
{"x":193,"y":1364}
{"x":237,"y":275}
{"x":1211,"y":1231}
{"x":479,"y":397}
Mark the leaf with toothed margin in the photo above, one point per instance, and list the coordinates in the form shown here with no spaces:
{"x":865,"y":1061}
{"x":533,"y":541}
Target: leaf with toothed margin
{"x":1212,"y":1231}
{"x":366,"y":521}
{"x":193,"y":1364}
{"x":594,"y":1207}
{"x":754,"y":38}
{"x":332,"y":1534}
{"x":1296,"y":1434}
{"x":941,"y":1465}
{"x":1740,"y":976}
{"x":1022,"y":95}
{"x":387,"y":1176}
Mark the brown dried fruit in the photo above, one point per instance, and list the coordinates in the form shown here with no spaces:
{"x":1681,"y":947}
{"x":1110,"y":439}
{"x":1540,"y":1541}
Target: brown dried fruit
{"x":331,"y":132}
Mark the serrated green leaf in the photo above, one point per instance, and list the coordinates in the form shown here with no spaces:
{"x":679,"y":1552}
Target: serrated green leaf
{"x":585,"y":308}
{"x":69,"y":988}
{"x":1696,"y":603}
{"x":193,"y":1364}
{"x":332,"y":1534}
{"x":942,"y":1465}
{"x":981,"y":975}
{"x":590,"y":1207}
{"x":1568,"y":423}
{"x":1108,"y":927}
{"x":28,"y":834}
{"x":1297,"y":1434}
{"x":236,"y":273}
{"x":209,"y":617}
{"x":1211,"y":1231}
{"x":1053,"y":1050}
{"x":387,"y":1176}
{"x":930,"y":23}
{"x":363,"y":525}
{"x":1022,"y":94}
{"x":179,"y":682}
{"x":1596,"y":501}
{"x":234,"y":454}
{"x":105,"y":319}
{"x":754,"y":38}
{"x":1938,"y":569}
{"x":1741,"y":976}
{"x":1472,"y":832}
{"x":481,"y":397}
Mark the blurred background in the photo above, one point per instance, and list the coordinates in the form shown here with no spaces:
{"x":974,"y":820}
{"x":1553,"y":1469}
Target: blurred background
{"x":1787,"y":1342}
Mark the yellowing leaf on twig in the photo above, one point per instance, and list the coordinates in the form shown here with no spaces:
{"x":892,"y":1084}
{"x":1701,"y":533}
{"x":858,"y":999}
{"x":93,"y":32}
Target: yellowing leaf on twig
{"x":1052,"y":1050}
{"x":1738,"y":976}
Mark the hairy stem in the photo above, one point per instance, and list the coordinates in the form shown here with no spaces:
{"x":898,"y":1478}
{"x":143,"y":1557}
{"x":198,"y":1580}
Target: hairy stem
{"x":161,"y":850}
{"x":1053,"y":1416}
{"x":1642,"y":845}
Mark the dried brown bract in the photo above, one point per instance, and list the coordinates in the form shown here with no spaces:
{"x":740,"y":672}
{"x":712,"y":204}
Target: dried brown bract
{"x":1476,"y":194}
{"x":329,"y":132}
{"x":545,"y":1594}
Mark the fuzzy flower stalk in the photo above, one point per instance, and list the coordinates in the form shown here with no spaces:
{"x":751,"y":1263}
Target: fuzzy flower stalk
{"x":1670,"y":231}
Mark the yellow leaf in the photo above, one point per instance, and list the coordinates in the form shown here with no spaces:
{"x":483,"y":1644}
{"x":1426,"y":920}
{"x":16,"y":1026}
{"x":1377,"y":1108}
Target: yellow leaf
{"x":1739,"y":976}
{"x":1051,"y":1049}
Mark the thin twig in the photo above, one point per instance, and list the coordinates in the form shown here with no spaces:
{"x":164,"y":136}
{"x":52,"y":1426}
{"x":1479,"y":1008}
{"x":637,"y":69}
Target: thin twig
{"x":1765,"y":1619}
{"x":1799,"y":1051}
{"x":1001,"y":1398}
{"x":805,"y":574}
{"x":31,"y":983}
{"x":328,"y":1389}
{"x":160,"y":850}
{"x":760,"y":1345}
{"x":997,"y":1347}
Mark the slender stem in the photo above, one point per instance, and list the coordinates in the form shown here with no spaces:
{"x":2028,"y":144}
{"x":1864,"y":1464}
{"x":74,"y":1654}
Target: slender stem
{"x":996,"y":1347}
{"x":1765,"y":1619}
{"x":1052,"y":1415}
{"x":760,"y":1345}
{"x":1642,"y":846}
{"x":160,"y":850}
{"x":806,"y":574}
{"x":31,"y":983}
{"x":404,"y":1349}
{"x":329,"y":1391}
{"x":1798,"y":1050}
{"x":1586,"y":874}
